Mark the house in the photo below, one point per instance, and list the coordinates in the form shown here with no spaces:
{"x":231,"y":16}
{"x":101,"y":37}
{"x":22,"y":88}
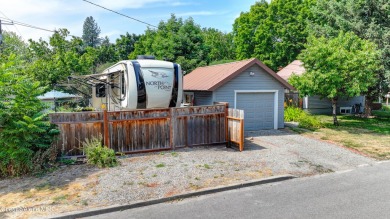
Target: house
{"x":316,"y":105}
{"x":249,"y":85}
{"x":57,"y":98}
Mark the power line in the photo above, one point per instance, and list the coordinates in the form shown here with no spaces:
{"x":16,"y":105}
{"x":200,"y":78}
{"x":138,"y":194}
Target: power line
{"x":120,"y":14}
{"x":30,"y":26}
{"x":14,"y":25}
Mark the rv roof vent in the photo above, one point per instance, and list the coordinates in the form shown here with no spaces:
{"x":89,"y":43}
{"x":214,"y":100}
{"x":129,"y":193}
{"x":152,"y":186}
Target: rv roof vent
{"x":145,"y":57}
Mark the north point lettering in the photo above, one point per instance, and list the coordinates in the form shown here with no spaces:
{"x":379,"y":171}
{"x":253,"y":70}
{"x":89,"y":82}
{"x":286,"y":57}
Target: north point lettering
{"x":161,"y":85}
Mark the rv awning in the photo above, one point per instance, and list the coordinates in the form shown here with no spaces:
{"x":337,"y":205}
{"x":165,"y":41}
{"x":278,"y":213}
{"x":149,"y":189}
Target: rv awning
{"x":93,"y":79}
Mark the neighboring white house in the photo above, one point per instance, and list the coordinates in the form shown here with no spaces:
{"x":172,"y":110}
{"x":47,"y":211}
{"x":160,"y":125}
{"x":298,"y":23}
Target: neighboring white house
{"x":316,"y":105}
{"x":248,"y":85}
{"x":59,"y":97}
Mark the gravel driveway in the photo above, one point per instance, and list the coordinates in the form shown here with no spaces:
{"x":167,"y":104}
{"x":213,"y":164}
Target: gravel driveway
{"x":156,"y":175}
{"x":267,"y":153}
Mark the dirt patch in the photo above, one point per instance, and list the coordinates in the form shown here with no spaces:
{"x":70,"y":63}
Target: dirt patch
{"x":59,"y":191}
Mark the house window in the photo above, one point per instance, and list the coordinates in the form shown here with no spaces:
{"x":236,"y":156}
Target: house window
{"x":100,"y":90}
{"x":188,"y":98}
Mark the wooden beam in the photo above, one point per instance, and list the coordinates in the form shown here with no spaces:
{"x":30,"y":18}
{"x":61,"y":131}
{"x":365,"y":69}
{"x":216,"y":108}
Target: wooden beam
{"x":106,"y":129}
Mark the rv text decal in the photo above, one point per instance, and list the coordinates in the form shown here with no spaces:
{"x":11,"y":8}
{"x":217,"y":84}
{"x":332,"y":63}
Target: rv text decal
{"x":161,"y":85}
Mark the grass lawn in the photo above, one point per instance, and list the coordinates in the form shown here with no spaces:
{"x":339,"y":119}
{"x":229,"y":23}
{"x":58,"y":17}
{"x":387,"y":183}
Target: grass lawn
{"x":370,"y":136}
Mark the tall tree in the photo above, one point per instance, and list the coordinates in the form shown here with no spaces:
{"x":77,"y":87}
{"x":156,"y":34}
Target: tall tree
{"x":339,"y":67}
{"x":13,"y":44}
{"x":369,"y":19}
{"x":55,"y":61}
{"x":245,"y":26}
{"x":218,"y":45}
{"x":125,"y":45}
{"x":91,"y":32}
{"x":273,"y":32}
{"x":106,"y":51}
{"x":174,"y":40}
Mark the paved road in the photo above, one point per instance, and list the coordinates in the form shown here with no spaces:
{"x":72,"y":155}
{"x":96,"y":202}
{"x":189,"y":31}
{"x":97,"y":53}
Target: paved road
{"x":360,"y":193}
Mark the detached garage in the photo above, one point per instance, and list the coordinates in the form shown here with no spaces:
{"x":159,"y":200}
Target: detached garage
{"x":249,"y":85}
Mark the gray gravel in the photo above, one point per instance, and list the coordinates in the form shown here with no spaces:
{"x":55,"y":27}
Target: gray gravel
{"x":267,"y":153}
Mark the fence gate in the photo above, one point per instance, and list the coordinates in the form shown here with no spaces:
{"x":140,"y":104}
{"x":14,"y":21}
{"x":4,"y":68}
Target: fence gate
{"x":235,"y":130}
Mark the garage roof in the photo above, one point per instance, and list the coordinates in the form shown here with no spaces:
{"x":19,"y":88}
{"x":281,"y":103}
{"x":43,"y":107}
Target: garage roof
{"x":209,"y":78}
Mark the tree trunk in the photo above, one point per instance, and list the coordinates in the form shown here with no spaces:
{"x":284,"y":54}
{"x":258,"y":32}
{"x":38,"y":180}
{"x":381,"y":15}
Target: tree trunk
{"x":368,"y":107}
{"x":334,"y":111}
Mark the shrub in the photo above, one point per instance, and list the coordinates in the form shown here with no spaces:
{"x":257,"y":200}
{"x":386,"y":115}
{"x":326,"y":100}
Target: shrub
{"x":26,"y":146}
{"x":293,"y":114}
{"x":309,"y":122}
{"x":99,"y":155}
{"x":27,"y":135}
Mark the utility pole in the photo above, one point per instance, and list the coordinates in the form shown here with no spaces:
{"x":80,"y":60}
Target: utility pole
{"x":1,"y":32}
{"x":1,"y":35}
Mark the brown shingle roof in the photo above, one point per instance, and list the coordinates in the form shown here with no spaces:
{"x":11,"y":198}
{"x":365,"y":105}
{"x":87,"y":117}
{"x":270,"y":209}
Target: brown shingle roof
{"x":295,"y":67}
{"x":210,"y":78}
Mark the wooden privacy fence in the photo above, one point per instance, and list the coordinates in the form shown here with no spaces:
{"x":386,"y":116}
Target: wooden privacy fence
{"x":146,"y":130}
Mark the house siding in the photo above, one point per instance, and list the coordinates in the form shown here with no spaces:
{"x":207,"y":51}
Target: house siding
{"x":260,"y":81}
{"x":202,"y":98}
{"x":324,"y":106}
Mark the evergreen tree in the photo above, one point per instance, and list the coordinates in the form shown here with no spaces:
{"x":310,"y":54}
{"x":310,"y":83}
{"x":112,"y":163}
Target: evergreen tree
{"x":91,"y":32}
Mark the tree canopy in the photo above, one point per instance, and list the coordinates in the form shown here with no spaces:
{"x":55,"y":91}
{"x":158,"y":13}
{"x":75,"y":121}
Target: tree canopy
{"x":273,"y":32}
{"x":125,"y":45}
{"x":368,"y":19}
{"x":343,"y":66}
{"x":184,"y":42}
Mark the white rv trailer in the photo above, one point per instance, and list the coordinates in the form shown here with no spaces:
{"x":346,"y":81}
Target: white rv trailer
{"x":136,"y":84}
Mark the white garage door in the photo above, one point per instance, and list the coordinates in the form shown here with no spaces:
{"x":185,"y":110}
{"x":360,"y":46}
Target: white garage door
{"x":258,"y":109}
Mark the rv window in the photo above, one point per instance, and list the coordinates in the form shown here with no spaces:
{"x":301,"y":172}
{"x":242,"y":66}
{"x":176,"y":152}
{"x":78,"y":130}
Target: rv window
{"x":123,"y":85}
{"x":100,"y":90}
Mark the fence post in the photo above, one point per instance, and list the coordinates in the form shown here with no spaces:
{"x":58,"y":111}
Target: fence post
{"x":227,"y":124}
{"x":241,"y":134}
{"x":172,"y":128}
{"x":106,"y":129}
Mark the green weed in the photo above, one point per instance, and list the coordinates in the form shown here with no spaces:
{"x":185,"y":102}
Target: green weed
{"x":160,"y":165}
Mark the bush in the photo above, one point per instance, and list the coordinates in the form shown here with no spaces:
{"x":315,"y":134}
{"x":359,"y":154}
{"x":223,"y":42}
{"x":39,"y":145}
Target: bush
{"x":307,"y":121}
{"x":99,"y":155}
{"x":26,"y":146}
{"x":386,"y":108}
{"x":293,"y":114}
{"x":27,"y":135}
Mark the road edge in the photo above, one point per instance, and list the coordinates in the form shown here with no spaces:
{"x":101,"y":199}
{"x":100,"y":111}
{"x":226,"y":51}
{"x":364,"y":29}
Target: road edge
{"x":93,"y":212}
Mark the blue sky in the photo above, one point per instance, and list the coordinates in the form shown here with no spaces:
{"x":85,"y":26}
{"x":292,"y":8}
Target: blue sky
{"x":70,"y":14}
